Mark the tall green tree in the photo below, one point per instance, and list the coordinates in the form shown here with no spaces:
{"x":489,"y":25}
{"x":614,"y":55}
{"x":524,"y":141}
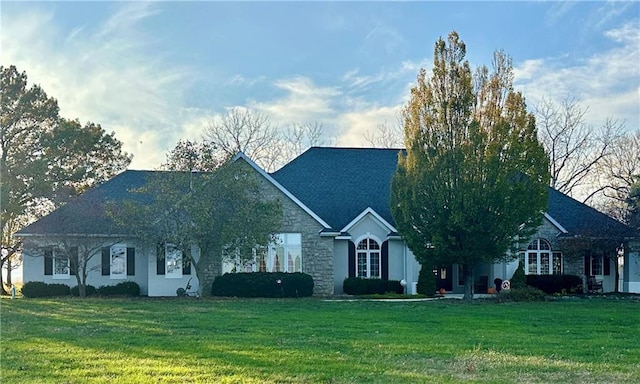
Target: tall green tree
{"x":219,"y":214}
{"x":44,"y":159}
{"x":474,"y":176}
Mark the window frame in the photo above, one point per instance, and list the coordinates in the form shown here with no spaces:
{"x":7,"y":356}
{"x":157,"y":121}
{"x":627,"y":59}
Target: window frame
{"x":539,"y":258}
{"x":368,"y":257}
{"x":59,"y":257}
{"x":282,"y":247}
{"x":173,"y":261}
{"x":118,"y":259}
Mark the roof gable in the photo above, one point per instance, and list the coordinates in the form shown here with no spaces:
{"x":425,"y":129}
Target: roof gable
{"x":340,"y":183}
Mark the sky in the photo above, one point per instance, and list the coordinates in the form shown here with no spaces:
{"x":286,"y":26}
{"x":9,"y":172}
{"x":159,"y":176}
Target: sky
{"x":158,"y":72}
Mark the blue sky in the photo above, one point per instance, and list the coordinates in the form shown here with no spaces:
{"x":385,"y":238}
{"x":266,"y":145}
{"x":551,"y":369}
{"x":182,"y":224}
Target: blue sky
{"x":157,"y":72}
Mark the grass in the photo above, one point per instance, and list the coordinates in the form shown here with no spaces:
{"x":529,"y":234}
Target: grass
{"x":146,"y":340}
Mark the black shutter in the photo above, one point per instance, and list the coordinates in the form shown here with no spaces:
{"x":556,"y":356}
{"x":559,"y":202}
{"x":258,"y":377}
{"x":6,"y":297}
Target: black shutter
{"x":131,"y":261}
{"x":606,"y":265}
{"x":385,"y":260}
{"x":73,"y":263}
{"x":587,"y":265}
{"x":48,"y":261}
{"x":352,"y":259}
{"x":106,"y":261}
{"x":186,"y":267}
{"x":160,"y":259}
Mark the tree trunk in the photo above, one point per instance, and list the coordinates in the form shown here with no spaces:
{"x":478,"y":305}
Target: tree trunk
{"x":468,"y":282}
{"x":207,"y":269}
{"x":2,"y":290}
{"x":9,"y":268}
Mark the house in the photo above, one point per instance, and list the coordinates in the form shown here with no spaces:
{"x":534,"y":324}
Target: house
{"x":336,"y":224}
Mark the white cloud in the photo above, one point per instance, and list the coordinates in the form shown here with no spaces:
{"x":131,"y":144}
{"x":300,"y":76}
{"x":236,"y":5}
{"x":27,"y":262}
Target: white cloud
{"x":607,"y":83}
{"x":354,"y":125}
{"x":303,"y":102}
{"x":102,"y":74}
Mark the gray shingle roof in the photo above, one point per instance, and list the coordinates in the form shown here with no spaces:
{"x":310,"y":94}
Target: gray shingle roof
{"x":581,"y":220}
{"x":336,"y":183}
{"x":339,"y":183}
{"x":85,"y":214}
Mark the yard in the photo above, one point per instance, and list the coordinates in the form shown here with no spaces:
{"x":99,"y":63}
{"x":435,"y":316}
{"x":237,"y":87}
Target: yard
{"x":146,"y":340}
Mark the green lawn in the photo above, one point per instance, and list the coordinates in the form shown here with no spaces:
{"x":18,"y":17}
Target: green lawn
{"x":148,"y":340}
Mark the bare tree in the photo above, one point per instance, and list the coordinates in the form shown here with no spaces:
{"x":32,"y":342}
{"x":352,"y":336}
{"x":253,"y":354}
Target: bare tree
{"x":386,"y":136}
{"x":244,"y":130}
{"x":297,"y":138}
{"x":251,"y":132}
{"x":576,"y":150}
{"x":616,"y":175}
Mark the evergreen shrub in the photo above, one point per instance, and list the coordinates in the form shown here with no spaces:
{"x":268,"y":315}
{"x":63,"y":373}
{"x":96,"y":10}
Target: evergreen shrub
{"x":263,"y":284}
{"x":518,"y":280}
{"x":551,"y":284}
{"x":521,"y":294}
{"x":426,"y":282}
{"x":90,"y":290}
{"x":126,"y":288}
{"x":40,"y":289}
{"x":360,"y":286}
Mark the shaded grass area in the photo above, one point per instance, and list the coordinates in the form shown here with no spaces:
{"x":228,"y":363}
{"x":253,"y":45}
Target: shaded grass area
{"x":146,"y":340}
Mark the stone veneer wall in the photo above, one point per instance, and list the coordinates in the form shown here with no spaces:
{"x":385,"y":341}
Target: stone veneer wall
{"x":317,"y":252}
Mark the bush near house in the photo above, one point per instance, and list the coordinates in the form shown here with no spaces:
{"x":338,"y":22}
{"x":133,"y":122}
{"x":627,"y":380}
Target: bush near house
{"x":551,"y":284}
{"x":526,"y":293}
{"x":518,"y":280}
{"x":126,"y":288}
{"x":90,"y":290}
{"x":40,"y":289}
{"x":360,"y":286}
{"x":426,"y":282}
{"x":263,"y":284}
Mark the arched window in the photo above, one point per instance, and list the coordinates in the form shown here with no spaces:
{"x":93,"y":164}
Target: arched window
{"x":368,"y":259}
{"x":539,"y":259}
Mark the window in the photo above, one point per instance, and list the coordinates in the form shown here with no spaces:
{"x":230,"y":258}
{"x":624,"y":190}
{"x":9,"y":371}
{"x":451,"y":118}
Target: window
{"x":118,"y":261}
{"x":538,"y":259}
{"x":597,"y":265}
{"x":368,"y":259}
{"x":284,"y":254}
{"x":173,"y":261}
{"x":57,"y":263}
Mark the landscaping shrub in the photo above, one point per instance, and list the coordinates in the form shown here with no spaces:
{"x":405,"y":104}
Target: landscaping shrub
{"x":263,"y":284}
{"x":126,"y":288}
{"x":521,"y":294}
{"x":551,"y":284}
{"x":518,"y":280}
{"x":360,"y":286}
{"x":41,"y":289}
{"x":90,"y":290}
{"x":426,"y":282}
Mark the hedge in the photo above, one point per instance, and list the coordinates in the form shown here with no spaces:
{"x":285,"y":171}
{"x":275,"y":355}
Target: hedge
{"x":126,"y":288}
{"x":90,"y":290}
{"x":41,"y":289}
{"x":263,"y":284}
{"x":360,"y":286}
{"x":551,"y":284}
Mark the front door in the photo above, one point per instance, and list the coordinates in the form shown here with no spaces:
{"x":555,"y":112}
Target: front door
{"x":444,"y":278}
